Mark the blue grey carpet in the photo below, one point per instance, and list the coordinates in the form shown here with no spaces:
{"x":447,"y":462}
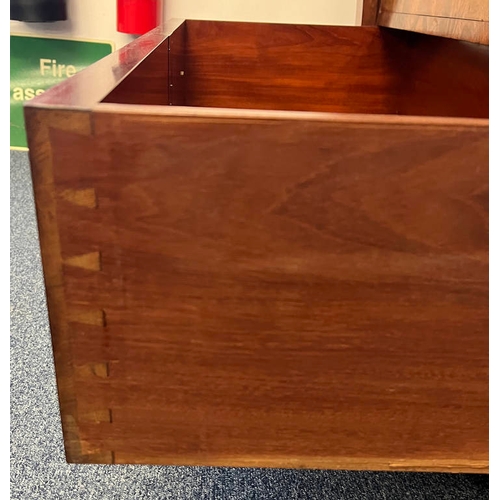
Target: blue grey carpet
{"x":38,"y":467}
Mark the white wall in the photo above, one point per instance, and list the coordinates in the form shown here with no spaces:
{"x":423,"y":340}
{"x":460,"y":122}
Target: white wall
{"x":340,"y":12}
{"x":96,"y":19}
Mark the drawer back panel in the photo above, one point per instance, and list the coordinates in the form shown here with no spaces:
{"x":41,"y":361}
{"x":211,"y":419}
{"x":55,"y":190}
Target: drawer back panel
{"x":342,"y":69}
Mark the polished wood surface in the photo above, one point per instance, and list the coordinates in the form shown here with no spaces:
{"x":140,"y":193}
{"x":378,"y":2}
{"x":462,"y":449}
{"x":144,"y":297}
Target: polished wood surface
{"x":370,"y":70}
{"x":438,"y":76}
{"x":177,"y":67}
{"x":147,"y":83}
{"x":472,"y":10}
{"x":316,"y":313}
{"x":94,"y":83}
{"x":38,"y":124}
{"x":289,"y":67}
{"x":266,"y":288}
{"x":370,"y":12}
{"x":463,"y":19}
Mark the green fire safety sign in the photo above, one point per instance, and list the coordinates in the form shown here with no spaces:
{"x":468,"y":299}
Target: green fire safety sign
{"x":37,"y":64}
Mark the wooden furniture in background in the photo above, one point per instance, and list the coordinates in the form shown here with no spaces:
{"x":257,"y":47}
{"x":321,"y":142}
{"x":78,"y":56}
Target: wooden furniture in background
{"x":267,"y":245}
{"x":459,"y":19}
{"x":370,"y":12}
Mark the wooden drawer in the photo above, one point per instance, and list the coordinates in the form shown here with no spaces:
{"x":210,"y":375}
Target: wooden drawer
{"x":267,"y":245}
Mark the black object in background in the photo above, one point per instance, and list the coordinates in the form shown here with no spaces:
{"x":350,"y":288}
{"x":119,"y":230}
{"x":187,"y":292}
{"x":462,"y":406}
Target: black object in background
{"x":38,"y":11}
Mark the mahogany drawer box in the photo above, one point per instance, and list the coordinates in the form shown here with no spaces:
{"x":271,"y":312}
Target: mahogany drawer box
{"x":267,"y":245}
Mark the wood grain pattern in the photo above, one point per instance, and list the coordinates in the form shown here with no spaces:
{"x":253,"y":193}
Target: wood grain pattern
{"x":471,"y":10}
{"x":462,"y":20}
{"x":289,"y":305}
{"x":332,"y":68}
{"x":439,"y":76}
{"x":147,"y":83}
{"x":100,"y":370}
{"x":95,"y":82}
{"x":81,"y":197}
{"x":270,"y":66}
{"x":90,"y":261}
{"x":177,"y":66}
{"x":271,"y":288}
{"x":370,"y":12}
{"x":292,"y":67}
{"x":39,"y":122}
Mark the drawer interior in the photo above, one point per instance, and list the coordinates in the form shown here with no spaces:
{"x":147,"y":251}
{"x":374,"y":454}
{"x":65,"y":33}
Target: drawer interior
{"x":341,"y":69}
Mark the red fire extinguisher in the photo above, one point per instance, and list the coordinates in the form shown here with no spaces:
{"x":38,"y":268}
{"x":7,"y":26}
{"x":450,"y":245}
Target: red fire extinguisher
{"x":137,"y":17}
